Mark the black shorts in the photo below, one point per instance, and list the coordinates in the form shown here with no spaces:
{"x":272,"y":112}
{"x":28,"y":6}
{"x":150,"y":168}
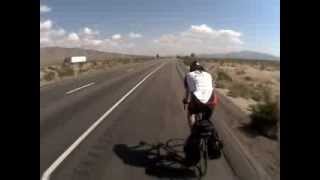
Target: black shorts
{"x":195,"y":107}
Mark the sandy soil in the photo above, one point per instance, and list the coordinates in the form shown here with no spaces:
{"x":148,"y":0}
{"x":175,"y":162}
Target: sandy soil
{"x":86,"y":69}
{"x":265,"y":150}
{"x":242,"y":103}
{"x":250,"y":74}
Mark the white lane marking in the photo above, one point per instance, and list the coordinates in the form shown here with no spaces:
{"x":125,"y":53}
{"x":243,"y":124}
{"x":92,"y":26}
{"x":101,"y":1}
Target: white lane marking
{"x":64,"y":155}
{"x":79,"y":88}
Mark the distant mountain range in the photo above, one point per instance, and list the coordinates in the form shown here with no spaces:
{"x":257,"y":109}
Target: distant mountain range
{"x":56,"y":55}
{"x":242,"y":55}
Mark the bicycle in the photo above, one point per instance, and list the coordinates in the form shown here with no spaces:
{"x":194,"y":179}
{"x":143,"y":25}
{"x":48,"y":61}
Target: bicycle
{"x":203,"y":134}
{"x":203,"y":147}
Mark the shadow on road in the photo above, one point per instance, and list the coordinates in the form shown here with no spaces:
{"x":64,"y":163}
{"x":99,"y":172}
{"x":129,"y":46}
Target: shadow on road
{"x":156,"y":159}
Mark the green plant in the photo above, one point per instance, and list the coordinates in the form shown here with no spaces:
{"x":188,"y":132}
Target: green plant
{"x":124,"y":61}
{"x":222,"y":84}
{"x":52,"y":68}
{"x":65,"y":71}
{"x":264,"y":93}
{"x":256,"y":95}
{"x":223,"y":76}
{"x":238,"y":89}
{"x":264,"y":118}
{"x":49,"y":76}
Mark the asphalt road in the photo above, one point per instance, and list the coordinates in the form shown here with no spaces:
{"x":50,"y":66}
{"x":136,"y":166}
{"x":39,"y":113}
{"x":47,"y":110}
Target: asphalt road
{"x":152,"y":113}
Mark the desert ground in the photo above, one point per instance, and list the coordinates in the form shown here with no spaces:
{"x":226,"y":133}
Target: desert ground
{"x":248,"y":84}
{"x":53,"y":73}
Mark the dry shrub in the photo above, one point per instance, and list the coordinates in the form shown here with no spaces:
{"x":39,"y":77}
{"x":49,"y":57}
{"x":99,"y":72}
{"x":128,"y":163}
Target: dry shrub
{"x":264,"y":119}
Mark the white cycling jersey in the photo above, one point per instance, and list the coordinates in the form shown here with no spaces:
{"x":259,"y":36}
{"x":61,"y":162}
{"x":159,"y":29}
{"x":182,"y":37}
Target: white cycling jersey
{"x":200,"y":84}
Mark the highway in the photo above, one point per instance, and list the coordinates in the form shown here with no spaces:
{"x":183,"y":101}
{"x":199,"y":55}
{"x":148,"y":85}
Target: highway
{"x":90,"y":127}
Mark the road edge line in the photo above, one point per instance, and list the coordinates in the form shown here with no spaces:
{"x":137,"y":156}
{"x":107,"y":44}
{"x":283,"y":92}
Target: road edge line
{"x":47,"y":173}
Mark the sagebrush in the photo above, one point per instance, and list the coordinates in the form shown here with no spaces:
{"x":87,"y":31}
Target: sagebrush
{"x":264,"y":118}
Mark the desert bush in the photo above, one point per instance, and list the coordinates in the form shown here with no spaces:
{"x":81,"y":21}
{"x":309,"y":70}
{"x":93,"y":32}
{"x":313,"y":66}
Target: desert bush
{"x":110,"y":63}
{"x":232,"y":65}
{"x":223,"y":76}
{"x":258,"y":95}
{"x":65,"y":71}
{"x":222,"y":84}
{"x":264,"y":93}
{"x":238,"y":89}
{"x":52,"y":68}
{"x":262,"y":67}
{"x":86,"y":67}
{"x":248,"y":78}
{"x":245,"y":90}
{"x":124,"y":61}
{"x":264,"y":118}
{"x":49,"y":76}
{"x":136,"y":60}
{"x":241,"y":72}
{"x":187,"y":62}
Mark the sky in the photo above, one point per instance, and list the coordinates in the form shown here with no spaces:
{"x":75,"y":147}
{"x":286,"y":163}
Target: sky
{"x":167,"y":27}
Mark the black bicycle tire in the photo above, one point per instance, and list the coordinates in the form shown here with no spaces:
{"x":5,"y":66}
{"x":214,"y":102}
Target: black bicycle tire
{"x":203,"y":162}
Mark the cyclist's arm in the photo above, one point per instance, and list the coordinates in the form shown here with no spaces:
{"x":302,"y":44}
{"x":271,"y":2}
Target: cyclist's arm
{"x":187,"y":93}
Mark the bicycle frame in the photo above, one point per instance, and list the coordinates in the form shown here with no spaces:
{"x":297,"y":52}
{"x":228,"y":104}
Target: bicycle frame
{"x":203,"y":146}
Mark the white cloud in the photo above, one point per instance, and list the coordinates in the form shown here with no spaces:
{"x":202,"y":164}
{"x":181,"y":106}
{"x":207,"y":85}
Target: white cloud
{"x":94,"y":42}
{"x":44,"y":40}
{"x":200,"y":39}
{"x":116,"y":36}
{"x":134,"y":35}
{"x":89,"y":32}
{"x":49,"y":34}
{"x":197,"y":39}
{"x":73,"y":37}
{"x":58,"y":32}
{"x":201,"y":29}
{"x":44,"y":9}
{"x":45,"y":25}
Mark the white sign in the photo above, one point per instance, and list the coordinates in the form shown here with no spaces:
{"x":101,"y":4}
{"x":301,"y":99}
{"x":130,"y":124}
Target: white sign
{"x":78,"y":59}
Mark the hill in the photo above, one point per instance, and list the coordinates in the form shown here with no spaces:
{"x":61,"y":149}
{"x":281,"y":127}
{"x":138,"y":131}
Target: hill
{"x":242,"y":55}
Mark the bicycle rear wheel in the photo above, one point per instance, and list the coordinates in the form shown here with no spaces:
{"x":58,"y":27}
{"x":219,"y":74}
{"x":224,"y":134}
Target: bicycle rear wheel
{"x":203,"y":163}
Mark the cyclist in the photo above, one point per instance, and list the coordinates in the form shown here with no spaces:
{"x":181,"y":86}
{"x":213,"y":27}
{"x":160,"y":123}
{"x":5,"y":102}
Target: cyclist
{"x":199,"y":93}
{"x":200,"y":97}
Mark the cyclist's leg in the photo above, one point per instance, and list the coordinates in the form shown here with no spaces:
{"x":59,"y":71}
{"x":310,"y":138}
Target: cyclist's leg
{"x":191,"y":113}
{"x":208,"y":113}
{"x":213,"y":150}
{"x":191,"y":119}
